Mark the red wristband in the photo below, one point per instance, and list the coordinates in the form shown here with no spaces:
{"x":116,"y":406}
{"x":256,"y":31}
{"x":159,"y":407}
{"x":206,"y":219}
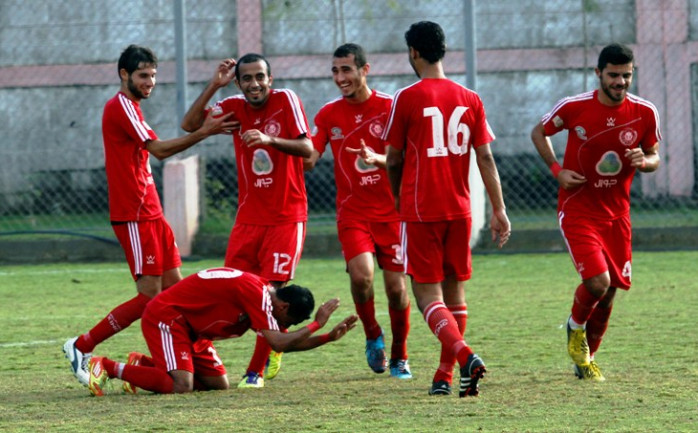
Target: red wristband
{"x":555,"y":169}
{"x":324,"y":338}
{"x":313,"y":326}
{"x":644,"y":163}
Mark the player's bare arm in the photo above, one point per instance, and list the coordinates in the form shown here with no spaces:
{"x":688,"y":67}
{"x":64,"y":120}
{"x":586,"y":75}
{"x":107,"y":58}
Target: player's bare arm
{"x":645,"y":160}
{"x":162,"y":149}
{"x":368,"y":155}
{"x":394,"y":161}
{"x":567,"y":179}
{"x":500,"y":226}
{"x":301,"y":146}
{"x":222,"y":76}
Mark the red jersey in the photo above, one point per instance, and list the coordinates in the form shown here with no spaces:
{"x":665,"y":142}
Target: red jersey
{"x":598,"y":136}
{"x":363,"y":190}
{"x":271,"y":184}
{"x":217,"y":303}
{"x":436,"y":123}
{"x":132,"y":193}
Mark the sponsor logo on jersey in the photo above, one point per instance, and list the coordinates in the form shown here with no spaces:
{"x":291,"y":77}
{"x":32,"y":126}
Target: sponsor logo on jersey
{"x":557,"y":121}
{"x":272,"y":128}
{"x":581,"y":132}
{"x":361,"y":165}
{"x":261,"y":162}
{"x":609,"y":164}
{"x":627,"y":137}
{"x":336,"y":133}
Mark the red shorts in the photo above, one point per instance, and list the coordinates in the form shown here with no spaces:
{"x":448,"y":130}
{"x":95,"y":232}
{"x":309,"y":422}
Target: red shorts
{"x":597,"y":246}
{"x":436,"y":250}
{"x":379,"y":238}
{"x":149,"y":246}
{"x":272,"y":252}
{"x":172,"y":348}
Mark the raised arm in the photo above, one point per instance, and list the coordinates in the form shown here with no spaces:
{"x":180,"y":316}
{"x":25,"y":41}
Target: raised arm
{"x":222,"y":76}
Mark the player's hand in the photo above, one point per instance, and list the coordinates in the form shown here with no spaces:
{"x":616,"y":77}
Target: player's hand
{"x":569,"y":179}
{"x":215,"y":124}
{"x":255,"y":137}
{"x":325,"y":311}
{"x":343,"y":327}
{"x":636,"y":157}
{"x":365,"y":152}
{"x":224,"y":73}
{"x":500,"y":228}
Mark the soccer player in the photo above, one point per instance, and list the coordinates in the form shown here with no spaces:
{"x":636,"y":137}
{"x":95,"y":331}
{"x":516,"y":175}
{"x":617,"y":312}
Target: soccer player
{"x":134,"y":206}
{"x":611,"y":135}
{"x":180,"y":324}
{"x":433,"y":128}
{"x":273,"y":138}
{"x":367,"y":222}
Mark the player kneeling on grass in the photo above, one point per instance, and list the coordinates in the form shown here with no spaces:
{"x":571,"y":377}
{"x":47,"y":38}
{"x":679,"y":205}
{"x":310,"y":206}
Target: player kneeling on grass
{"x":180,"y":323}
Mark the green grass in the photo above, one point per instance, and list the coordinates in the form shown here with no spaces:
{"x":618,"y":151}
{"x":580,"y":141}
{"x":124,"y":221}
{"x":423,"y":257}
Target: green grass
{"x":517,"y":305}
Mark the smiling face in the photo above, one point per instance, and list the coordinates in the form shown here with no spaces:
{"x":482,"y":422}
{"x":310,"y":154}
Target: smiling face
{"x":140,"y":83}
{"x":614,"y":82}
{"x":254,"y":82}
{"x":350,"y":79}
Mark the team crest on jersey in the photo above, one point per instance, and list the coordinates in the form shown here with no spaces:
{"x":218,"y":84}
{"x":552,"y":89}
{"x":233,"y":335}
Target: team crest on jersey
{"x":376,"y":128}
{"x":627,"y":137}
{"x":581,"y":132}
{"x":557,"y":121}
{"x":272,"y":128}
{"x":609,"y":164}
{"x":261,"y":162}
{"x":336,"y":133}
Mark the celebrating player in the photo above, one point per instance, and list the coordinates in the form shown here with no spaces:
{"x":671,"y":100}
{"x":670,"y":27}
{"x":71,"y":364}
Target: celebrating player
{"x":269,"y":231}
{"x":434,"y":126}
{"x":134,"y":206}
{"x":611,"y":135}
{"x":367,"y":222}
{"x":180,"y":324}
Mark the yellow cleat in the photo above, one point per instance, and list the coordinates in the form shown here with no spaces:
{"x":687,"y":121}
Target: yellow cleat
{"x":98,"y":376}
{"x":591,"y":372}
{"x":577,"y":346}
{"x":251,"y":380}
{"x":273,"y":365}
{"x":134,"y":358}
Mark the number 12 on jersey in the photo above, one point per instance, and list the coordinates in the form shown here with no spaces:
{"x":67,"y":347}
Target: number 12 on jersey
{"x":455,"y":127}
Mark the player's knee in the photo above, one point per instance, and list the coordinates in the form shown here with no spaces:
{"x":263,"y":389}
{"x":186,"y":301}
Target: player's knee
{"x":598,"y":285}
{"x":182,"y":387}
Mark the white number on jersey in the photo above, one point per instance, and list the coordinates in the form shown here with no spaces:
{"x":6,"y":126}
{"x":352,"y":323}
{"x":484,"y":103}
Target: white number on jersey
{"x":281,"y":262}
{"x":455,"y":127}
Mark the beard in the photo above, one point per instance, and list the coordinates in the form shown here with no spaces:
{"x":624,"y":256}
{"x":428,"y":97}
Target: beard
{"x":608,"y":90}
{"x":134,"y":90}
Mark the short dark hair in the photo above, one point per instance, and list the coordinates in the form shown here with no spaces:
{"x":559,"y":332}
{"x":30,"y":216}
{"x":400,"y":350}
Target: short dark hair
{"x":428,"y":39}
{"x":615,"y":54}
{"x":357,"y":50}
{"x":132,"y":57}
{"x":251,"y":58}
{"x":300,"y":301}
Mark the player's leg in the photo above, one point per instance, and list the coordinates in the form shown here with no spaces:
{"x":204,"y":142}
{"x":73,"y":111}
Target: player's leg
{"x":454,"y":298}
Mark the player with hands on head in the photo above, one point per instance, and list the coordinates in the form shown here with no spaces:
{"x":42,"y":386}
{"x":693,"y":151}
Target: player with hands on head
{"x":135,"y":210}
{"x":611,"y":135}
{"x":270,"y":144}
{"x":180,"y":324}
{"x":367,"y":223}
{"x":434,"y":127}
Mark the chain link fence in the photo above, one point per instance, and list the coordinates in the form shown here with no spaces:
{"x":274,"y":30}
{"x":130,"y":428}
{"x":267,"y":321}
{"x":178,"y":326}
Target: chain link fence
{"x":58,"y":68}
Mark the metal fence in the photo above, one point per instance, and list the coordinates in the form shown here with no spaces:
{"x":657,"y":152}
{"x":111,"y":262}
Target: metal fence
{"x":58,"y":68}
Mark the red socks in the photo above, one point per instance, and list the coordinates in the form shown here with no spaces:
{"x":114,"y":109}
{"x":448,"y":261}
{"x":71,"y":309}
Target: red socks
{"x":119,"y":318}
{"x":596,"y":327}
{"x":447,"y":360}
{"x":367,"y":315}
{"x":445,"y":328}
{"x":584,"y":303}
{"x":262,"y":349}
{"x":400,"y":327}
{"x":148,"y":378}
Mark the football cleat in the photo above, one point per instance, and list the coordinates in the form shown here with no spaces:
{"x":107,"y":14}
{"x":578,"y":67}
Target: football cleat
{"x":440,"y":388}
{"x":251,"y":380}
{"x":375,"y":354}
{"x":400,"y":368}
{"x":134,"y":358}
{"x":78,"y":361}
{"x":470,"y":374}
{"x":591,"y":372}
{"x":273,"y":365}
{"x":577,"y":346}
{"x":98,"y":376}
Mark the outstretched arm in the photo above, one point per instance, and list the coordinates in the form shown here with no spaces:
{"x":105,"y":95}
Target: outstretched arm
{"x":162,"y":149}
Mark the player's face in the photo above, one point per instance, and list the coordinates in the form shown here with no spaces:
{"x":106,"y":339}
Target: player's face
{"x":350,"y":79}
{"x":140,"y":83}
{"x":615,"y":80}
{"x":255,"y":82}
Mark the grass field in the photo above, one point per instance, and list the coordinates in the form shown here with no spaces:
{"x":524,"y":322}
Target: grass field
{"x":517,"y":305}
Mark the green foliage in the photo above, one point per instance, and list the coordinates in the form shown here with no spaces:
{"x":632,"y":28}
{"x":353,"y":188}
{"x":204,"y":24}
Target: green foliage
{"x":517,"y":305}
